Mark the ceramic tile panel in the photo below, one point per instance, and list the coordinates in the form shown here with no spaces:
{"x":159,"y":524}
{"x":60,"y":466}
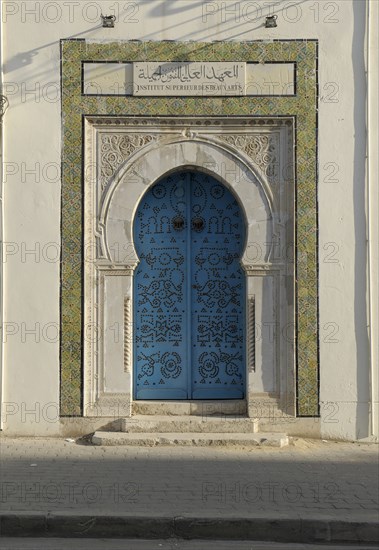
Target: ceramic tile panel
{"x":303,"y":106}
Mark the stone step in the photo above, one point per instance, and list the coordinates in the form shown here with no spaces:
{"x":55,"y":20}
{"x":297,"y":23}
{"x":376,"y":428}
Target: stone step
{"x":189,"y":424}
{"x":231,"y":407}
{"x":188,"y":439}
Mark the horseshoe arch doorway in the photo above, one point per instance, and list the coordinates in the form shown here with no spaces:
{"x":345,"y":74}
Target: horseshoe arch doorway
{"x":189,"y":291}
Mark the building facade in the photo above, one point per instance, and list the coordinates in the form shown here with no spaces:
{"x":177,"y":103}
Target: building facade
{"x":190,"y":214}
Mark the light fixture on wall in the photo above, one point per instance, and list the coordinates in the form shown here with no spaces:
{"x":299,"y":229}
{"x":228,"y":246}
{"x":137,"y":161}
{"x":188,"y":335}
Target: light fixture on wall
{"x":271,"y":21}
{"x":108,"y":21}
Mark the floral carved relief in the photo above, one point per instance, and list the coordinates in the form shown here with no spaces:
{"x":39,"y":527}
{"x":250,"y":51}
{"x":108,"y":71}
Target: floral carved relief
{"x":263,"y":149}
{"x":115,"y":149}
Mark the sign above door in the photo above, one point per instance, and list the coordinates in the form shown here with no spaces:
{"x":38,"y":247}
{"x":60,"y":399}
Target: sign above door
{"x":187,"y":78}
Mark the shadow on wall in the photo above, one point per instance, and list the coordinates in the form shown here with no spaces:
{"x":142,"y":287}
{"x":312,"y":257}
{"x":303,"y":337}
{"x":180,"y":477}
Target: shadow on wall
{"x":360,"y":260}
{"x":252,"y":17}
{"x":173,"y":7}
{"x":25,"y":58}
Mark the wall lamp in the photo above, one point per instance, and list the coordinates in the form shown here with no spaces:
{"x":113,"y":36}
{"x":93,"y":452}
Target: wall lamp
{"x":271,"y":21}
{"x":108,"y":21}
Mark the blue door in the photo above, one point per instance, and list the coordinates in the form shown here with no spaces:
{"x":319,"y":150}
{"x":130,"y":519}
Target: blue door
{"x":189,"y":291}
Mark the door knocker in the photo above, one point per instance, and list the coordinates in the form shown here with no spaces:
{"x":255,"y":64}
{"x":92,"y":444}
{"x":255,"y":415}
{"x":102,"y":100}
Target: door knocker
{"x":178,"y":223}
{"x":198,"y":224}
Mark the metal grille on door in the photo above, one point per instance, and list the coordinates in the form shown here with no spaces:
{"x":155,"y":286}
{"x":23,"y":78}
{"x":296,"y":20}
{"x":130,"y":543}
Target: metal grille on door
{"x":189,"y":291}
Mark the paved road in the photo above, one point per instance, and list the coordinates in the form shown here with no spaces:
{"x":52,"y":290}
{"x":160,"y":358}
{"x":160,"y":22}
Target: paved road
{"x":90,"y":544}
{"x":321,"y":486}
{"x":309,"y":479}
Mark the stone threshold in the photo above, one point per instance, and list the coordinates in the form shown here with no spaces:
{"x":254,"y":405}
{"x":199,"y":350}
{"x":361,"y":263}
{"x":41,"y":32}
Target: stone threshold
{"x":196,"y":408}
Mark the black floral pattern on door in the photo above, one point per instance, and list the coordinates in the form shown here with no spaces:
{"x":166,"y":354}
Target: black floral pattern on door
{"x":189,"y":291}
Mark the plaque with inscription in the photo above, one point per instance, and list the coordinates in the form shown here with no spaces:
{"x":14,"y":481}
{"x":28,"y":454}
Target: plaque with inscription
{"x":189,"y":79}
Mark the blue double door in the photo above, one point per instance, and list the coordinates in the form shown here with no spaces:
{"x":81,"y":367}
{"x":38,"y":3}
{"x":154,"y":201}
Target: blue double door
{"x":189,"y":291}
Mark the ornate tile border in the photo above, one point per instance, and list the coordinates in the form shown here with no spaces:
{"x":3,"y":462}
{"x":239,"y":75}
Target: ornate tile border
{"x":303,"y":106}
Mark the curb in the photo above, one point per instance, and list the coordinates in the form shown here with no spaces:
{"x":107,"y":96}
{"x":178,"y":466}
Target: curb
{"x":252,"y":528}
{"x":193,"y":439}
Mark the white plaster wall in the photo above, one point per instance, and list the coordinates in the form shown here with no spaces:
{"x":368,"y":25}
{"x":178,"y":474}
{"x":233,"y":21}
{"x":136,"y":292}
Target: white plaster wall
{"x":32,"y":201}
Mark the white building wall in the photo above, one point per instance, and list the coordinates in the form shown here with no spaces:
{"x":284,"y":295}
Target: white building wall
{"x":32,"y":154}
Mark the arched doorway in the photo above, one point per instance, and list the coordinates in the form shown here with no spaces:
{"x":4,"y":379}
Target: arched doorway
{"x":189,"y":291}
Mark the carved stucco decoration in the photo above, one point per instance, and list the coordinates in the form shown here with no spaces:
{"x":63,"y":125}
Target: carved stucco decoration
{"x":251,"y":337}
{"x":116,"y":149}
{"x":128,"y":335}
{"x":263,"y":150}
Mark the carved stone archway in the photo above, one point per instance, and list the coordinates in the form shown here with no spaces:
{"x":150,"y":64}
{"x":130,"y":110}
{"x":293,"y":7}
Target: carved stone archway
{"x":124,"y":158}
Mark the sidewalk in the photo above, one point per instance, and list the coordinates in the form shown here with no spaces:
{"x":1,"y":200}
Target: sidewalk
{"x":311,"y":491}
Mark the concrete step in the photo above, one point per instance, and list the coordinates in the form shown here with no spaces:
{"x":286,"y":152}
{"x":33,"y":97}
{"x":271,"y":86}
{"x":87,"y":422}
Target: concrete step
{"x":186,"y":424}
{"x":192,"y":438}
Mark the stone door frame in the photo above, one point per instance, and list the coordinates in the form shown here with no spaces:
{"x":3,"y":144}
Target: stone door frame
{"x":254,"y":157}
